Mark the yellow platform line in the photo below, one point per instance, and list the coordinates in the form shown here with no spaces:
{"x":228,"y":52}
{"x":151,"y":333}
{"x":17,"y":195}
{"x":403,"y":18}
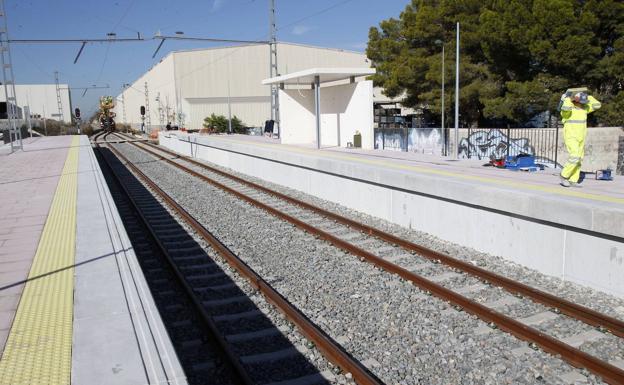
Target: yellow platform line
{"x":39,"y":346}
{"x":556,"y":190}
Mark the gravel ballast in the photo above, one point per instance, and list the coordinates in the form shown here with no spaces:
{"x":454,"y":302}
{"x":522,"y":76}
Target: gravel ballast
{"x":403,"y":335}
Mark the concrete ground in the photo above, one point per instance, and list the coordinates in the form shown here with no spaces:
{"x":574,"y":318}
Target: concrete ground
{"x":548,"y":177}
{"x":116,"y":335}
{"x":27,"y":192}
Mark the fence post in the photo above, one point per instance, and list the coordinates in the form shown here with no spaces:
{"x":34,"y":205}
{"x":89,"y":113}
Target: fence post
{"x":406,"y":140}
{"x":508,"y":141}
{"x":383,"y":139}
{"x":556,"y":142}
{"x":468,"y":139}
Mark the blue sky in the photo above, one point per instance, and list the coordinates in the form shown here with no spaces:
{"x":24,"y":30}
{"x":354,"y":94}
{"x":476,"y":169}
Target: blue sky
{"x":345,"y":26}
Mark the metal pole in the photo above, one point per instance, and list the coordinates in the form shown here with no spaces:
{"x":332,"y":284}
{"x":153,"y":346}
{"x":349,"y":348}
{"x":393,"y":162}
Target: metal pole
{"x":556,"y":142}
{"x":317,"y":109}
{"x":275,"y":116}
{"x":45,"y":124}
{"x":456,"y":149}
{"x":123,"y":106}
{"x":148,"y":120}
{"x":443,"y":110}
{"x":229,"y":109}
{"x":8,"y":81}
{"x":27,"y":116}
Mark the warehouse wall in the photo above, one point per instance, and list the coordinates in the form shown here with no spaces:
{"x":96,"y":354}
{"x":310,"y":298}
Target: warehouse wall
{"x":198,"y":81}
{"x":204,"y":77}
{"x":159,"y":79}
{"x":42,"y":99}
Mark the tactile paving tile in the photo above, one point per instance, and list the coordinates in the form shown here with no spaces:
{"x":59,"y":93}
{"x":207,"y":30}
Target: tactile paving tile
{"x":39,"y":346}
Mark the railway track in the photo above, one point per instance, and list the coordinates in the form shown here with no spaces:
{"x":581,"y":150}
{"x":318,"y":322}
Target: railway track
{"x":211,"y":318}
{"x":431,"y":271}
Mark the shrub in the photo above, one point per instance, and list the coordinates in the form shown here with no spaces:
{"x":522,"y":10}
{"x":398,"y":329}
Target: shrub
{"x":219,"y":123}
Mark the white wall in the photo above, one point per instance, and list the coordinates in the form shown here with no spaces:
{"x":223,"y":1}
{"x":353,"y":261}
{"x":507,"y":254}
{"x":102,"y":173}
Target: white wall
{"x":159,"y":79}
{"x":41,"y":98}
{"x":345,"y":109}
{"x":298,"y":123}
{"x":197,"y":81}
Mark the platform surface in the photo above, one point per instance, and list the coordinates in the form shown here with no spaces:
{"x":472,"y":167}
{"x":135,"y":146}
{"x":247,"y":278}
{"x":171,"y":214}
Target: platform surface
{"x":74,"y":304}
{"x":596,"y":206}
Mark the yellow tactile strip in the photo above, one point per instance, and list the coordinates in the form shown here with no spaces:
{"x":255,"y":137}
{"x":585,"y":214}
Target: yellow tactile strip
{"x":39,"y":345}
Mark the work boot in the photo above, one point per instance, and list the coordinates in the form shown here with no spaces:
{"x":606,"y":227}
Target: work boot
{"x":564,"y":182}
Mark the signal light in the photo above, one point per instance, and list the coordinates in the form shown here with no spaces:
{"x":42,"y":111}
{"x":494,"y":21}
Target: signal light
{"x":77,"y":112}
{"x":143,"y":110}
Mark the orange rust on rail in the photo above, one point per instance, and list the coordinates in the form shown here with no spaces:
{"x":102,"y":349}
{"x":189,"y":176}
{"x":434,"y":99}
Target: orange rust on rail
{"x":569,"y":308}
{"x":609,"y":373}
{"x":326,"y":345}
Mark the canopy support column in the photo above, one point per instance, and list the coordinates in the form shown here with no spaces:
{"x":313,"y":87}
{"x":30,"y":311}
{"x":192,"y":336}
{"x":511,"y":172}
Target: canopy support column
{"x":317,"y":109}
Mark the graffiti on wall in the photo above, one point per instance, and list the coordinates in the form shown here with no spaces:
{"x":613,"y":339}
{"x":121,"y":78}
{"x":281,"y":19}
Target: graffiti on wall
{"x":393,"y":139}
{"x":426,"y":140}
{"x":493,"y":144}
{"x":420,"y":140}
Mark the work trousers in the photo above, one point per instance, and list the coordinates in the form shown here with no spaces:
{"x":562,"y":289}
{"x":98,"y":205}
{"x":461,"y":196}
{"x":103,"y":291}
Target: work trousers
{"x":574,"y":139}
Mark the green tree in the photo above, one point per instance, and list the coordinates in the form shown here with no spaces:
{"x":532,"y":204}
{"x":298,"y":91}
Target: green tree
{"x":219,"y":123}
{"x":517,"y":56}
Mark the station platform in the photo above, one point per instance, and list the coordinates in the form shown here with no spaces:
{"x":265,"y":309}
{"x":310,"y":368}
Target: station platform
{"x":74,"y":305}
{"x":576,"y":234}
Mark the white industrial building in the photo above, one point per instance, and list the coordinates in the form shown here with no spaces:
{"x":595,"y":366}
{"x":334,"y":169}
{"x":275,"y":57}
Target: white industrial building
{"x":187,"y":86}
{"x":41,"y":99}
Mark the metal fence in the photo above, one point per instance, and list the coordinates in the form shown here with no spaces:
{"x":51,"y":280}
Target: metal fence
{"x":474,"y":143}
{"x":497,"y":143}
{"x":419,"y":140}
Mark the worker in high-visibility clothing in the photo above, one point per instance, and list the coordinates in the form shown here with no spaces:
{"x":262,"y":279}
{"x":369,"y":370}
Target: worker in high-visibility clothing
{"x":574,"y":112}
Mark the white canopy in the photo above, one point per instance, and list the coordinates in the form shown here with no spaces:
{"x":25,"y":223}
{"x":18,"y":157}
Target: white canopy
{"x":325,"y":75}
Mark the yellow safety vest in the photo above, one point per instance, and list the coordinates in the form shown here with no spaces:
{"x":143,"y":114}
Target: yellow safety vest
{"x":575,"y":118}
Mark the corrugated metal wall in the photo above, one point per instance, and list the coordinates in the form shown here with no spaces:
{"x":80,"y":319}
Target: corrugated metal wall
{"x":202,"y":79}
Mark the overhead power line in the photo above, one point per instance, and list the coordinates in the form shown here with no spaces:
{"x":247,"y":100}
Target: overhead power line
{"x":214,"y":40}
{"x":177,"y":37}
{"x":315,"y":14}
{"x":53,"y":41}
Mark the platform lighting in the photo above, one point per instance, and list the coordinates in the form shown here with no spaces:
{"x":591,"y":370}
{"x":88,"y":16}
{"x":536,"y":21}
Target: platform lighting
{"x":111,"y":35}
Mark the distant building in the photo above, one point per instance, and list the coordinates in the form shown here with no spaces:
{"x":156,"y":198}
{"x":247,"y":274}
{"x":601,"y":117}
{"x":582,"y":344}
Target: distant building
{"x":41,"y":100}
{"x":187,"y":86}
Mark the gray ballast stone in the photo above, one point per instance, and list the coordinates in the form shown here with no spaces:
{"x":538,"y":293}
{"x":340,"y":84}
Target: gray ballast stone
{"x":415,"y":338}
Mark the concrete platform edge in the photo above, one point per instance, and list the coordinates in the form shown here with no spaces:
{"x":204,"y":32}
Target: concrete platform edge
{"x":119,"y":336}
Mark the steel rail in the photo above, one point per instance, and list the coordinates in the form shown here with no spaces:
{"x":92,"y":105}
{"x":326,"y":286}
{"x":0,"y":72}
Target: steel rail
{"x":576,"y":357}
{"x":232,"y":359}
{"x":579,"y":312}
{"x":326,"y":345}
{"x":96,"y":136}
